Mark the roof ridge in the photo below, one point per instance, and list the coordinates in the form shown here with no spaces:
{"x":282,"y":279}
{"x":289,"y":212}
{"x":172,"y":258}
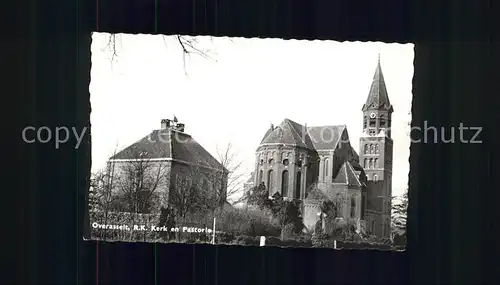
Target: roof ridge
{"x":322,"y":126}
{"x":337,"y":176}
{"x":354,"y":172}
{"x":344,"y":128}
{"x":346,"y":175}
{"x":293,"y":128}
{"x":268,"y":132}
{"x":178,"y":131}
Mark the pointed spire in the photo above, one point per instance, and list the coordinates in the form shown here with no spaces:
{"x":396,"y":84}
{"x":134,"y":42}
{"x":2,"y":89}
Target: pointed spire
{"x":377,"y":97}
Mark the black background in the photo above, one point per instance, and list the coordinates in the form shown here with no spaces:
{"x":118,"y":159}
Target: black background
{"x":452,"y":213}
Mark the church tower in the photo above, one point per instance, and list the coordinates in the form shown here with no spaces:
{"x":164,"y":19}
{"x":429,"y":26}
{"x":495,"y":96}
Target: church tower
{"x":376,"y":150}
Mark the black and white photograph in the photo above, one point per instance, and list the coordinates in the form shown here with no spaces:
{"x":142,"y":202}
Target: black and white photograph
{"x":249,"y":141}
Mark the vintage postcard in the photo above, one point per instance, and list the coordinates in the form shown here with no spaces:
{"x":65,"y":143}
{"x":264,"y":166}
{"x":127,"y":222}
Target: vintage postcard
{"x":248,"y":141}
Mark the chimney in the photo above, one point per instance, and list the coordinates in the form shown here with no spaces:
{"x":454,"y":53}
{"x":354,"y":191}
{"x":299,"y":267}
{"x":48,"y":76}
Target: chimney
{"x":272,"y":127}
{"x":165,"y":124}
{"x":179,"y":127}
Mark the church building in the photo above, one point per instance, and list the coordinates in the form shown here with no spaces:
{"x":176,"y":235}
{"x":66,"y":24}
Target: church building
{"x":318,"y":163}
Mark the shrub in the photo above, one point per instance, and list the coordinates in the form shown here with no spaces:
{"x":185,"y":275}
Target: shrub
{"x":303,"y":237}
{"x":249,"y":223}
{"x":224,"y":238}
{"x":246,"y":240}
{"x":259,"y":196}
{"x":362,"y":245}
{"x":322,"y":240}
{"x":273,"y":241}
{"x":302,"y":242}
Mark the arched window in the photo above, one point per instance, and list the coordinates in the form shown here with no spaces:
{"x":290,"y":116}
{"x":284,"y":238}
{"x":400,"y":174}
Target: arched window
{"x":353,"y":207}
{"x":284,"y":184}
{"x":382,"y":121}
{"x":326,"y":168}
{"x":270,"y":180}
{"x":377,"y":148}
{"x":298,"y":186}
{"x":375,"y":177}
{"x":372,"y":149}
{"x":366,"y":149}
{"x":375,"y":163}
{"x":370,"y":165}
{"x":286,"y":162}
{"x":366,"y":163}
{"x":261,"y":162}
{"x":260,"y":177}
{"x":271,"y":161}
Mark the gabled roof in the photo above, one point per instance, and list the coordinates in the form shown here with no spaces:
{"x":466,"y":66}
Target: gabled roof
{"x":288,"y":133}
{"x":354,"y":153}
{"x":270,"y":130}
{"x":347,"y":176}
{"x":173,"y":144}
{"x":326,"y":137}
{"x":313,"y":138}
{"x":377,"y":97}
{"x":355,"y":160}
{"x":155,"y":145}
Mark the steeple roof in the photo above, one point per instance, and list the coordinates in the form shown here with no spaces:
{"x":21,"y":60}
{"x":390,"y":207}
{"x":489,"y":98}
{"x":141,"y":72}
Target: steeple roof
{"x":378,"y":98}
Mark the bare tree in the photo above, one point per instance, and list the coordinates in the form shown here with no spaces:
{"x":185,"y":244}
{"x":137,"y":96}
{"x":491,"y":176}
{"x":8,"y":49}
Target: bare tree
{"x":140,"y":181}
{"x":188,"y":194}
{"x":189,"y":44}
{"x":232,"y":174}
{"x":101,"y":196}
{"x":189,"y":47}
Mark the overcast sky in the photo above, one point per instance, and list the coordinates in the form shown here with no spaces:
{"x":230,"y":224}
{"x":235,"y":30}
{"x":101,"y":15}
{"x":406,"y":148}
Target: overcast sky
{"x":246,"y":85}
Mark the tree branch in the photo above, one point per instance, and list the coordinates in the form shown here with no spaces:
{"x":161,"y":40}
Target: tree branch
{"x":189,"y":45}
